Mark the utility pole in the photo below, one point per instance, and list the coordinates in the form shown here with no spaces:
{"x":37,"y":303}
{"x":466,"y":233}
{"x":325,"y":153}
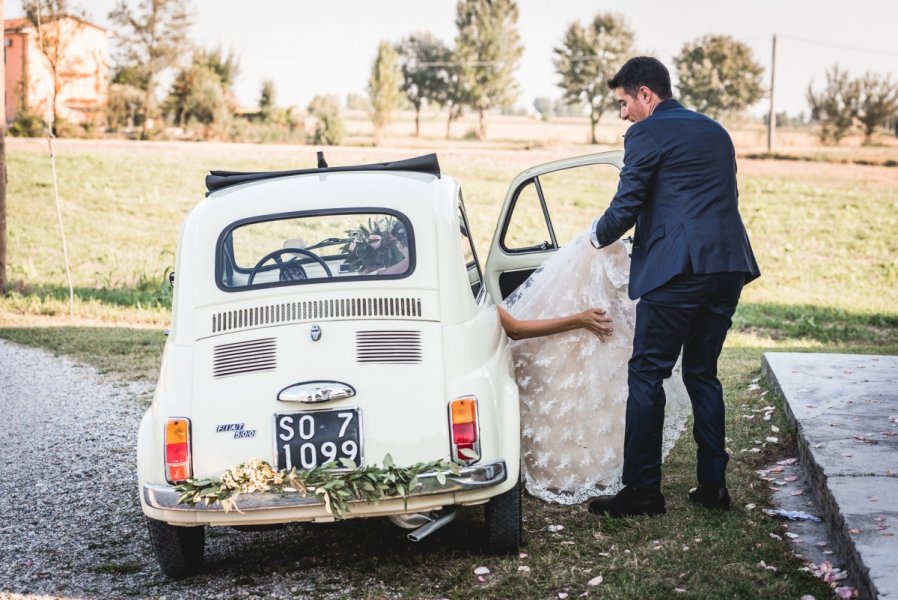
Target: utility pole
{"x":771,"y":118}
{"x":3,"y":165}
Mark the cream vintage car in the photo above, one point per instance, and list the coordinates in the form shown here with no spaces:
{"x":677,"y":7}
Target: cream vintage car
{"x":340,"y":316}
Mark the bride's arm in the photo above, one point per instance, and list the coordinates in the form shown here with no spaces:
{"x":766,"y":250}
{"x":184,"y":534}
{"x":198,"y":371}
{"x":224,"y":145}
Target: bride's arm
{"x":593,"y":319}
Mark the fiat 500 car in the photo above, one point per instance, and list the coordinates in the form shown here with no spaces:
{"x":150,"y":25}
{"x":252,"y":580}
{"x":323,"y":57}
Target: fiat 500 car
{"x":330,"y":317}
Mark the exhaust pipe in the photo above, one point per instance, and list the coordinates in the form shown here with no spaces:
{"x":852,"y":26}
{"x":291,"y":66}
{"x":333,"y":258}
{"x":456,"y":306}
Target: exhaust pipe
{"x":425,"y":530}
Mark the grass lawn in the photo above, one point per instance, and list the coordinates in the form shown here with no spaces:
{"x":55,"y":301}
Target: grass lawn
{"x":824,"y":237}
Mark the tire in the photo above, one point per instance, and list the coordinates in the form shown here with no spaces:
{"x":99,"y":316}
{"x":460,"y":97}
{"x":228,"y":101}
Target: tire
{"x":179,"y":550}
{"x":503,"y":522}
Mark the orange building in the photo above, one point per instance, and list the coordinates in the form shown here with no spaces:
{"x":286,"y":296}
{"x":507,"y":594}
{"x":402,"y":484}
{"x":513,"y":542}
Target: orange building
{"x":76,"y":50}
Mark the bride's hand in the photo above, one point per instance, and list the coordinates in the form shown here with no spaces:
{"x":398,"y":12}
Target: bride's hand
{"x":596,"y":321}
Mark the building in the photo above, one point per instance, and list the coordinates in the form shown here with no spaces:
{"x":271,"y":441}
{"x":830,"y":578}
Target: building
{"x":78,"y":53}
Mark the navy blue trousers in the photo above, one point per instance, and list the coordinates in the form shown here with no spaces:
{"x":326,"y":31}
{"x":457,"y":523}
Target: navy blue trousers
{"x":693,"y":313}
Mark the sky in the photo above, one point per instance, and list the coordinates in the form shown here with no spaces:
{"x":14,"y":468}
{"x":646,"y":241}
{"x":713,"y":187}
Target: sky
{"x":328,"y":46}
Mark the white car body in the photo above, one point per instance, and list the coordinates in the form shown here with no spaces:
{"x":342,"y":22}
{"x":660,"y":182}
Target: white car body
{"x":213,"y":376}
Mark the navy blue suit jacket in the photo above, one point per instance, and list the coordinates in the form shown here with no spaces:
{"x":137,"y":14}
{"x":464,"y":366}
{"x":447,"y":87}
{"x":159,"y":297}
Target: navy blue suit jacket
{"x":678,"y":186}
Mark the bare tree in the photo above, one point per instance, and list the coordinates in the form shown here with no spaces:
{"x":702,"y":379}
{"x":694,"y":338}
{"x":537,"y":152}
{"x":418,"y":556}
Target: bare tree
{"x":56,"y":33}
{"x":877,"y":104}
{"x":154,"y":39}
{"x":835,"y":106}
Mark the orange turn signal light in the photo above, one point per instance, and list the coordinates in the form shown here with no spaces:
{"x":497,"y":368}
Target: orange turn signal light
{"x":464,"y":410}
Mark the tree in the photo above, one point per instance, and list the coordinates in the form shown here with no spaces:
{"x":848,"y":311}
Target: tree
{"x":877,"y":103}
{"x":153,"y":39}
{"x":544,"y":107}
{"x":590,"y":56}
{"x":266,"y":100}
{"x":835,"y":106}
{"x":488,"y":49}
{"x":424,"y":61}
{"x":384,"y":89}
{"x":718,"y":75}
{"x":202,"y":93}
{"x":329,"y":128}
{"x":56,"y":33}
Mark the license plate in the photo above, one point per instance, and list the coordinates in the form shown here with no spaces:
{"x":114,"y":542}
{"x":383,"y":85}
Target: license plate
{"x":313,"y":438}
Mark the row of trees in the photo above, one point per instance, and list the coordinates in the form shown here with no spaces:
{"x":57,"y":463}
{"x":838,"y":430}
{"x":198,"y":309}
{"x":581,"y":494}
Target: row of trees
{"x":717,"y":74}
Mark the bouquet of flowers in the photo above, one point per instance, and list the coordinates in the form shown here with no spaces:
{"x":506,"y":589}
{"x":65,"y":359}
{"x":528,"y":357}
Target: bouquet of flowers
{"x":377,"y":246}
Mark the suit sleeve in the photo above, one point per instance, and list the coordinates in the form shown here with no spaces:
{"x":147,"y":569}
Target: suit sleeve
{"x":641,"y":158}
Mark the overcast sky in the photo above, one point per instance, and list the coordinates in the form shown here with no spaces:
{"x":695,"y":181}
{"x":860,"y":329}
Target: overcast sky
{"x":328,"y":46}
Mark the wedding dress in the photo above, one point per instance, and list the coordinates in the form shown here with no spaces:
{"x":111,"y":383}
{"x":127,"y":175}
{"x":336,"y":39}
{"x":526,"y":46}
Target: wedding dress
{"x":573,"y":387}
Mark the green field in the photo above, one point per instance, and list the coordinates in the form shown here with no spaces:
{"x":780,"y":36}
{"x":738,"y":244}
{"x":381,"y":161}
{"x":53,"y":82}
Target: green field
{"x":824,"y":235}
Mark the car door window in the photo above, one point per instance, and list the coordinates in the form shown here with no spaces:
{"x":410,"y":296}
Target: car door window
{"x":527,"y":227}
{"x":472,"y":265}
{"x":575,"y":197}
{"x":552,"y":209}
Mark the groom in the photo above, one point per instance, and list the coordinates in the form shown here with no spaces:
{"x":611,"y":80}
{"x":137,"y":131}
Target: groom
{"x":691,"y":257}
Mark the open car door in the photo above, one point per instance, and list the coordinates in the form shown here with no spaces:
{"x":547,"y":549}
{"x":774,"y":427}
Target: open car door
{"x":546,"y":207}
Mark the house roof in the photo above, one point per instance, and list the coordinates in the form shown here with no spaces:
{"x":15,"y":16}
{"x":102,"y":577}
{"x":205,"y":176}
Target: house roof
{"x":21,"y":23}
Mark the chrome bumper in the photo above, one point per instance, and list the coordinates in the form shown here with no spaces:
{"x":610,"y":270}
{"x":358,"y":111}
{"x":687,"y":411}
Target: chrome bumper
{"x":471,"y":478}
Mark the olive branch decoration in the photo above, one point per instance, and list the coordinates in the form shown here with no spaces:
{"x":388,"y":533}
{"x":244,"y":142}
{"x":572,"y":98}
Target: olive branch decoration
{"x":336,"y":488}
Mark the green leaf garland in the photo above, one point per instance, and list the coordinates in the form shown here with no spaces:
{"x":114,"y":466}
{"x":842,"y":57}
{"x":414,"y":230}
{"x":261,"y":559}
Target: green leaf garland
{"x":336,"y":488}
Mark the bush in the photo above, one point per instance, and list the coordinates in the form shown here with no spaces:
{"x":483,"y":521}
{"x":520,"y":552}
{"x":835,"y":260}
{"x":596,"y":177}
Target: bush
{"x":329,"y":129}
{"x":27,"y":124}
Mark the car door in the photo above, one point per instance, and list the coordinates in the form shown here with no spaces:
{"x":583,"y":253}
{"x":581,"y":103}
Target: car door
{"x":546,"y":207}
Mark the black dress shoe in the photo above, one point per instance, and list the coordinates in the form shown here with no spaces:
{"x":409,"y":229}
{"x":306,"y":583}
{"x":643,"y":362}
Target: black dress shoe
{"x":711,"y":496}
{"x":629,"y":502}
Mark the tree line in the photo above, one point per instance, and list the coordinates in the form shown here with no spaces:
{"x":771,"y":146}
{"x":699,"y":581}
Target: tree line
{"x":716,"y":74}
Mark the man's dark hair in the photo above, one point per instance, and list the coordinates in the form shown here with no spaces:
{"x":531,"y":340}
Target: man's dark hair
{"x":643,"y":71}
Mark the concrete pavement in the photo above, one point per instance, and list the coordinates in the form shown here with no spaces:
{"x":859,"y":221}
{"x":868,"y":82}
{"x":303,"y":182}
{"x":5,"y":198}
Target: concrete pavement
{"x":845,"y":410}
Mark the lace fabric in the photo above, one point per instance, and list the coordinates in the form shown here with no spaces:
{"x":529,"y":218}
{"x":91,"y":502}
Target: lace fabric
{"x":573,"y":388}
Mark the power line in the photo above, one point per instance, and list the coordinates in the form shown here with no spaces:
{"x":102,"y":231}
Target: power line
{"x":839,"y":46}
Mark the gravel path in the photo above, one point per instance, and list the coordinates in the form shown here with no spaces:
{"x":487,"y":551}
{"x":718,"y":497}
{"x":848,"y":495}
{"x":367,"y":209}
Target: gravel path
{"x":70,"y":518}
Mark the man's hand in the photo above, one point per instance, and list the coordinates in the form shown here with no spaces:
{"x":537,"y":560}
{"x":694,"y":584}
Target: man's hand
{"x":596,"y":321}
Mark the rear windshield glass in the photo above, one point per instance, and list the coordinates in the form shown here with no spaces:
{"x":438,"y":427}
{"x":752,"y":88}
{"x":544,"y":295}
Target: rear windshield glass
{"x":295,"y":249}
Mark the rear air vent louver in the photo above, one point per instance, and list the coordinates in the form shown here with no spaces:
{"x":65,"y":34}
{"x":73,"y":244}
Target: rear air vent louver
{"x":388,"y":347}
{"x":335,"y":308}
{"x":245,"y":357}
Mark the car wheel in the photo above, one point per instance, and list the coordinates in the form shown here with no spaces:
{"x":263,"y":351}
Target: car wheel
{"x":503,"y":521}
{"x":179,"y":550}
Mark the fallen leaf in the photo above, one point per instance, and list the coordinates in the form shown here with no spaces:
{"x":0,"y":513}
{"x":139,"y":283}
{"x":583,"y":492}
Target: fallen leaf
{"x":555,"y":528}
{"x":749,"y":506}
{"x":791,"y":478}
{"x":685,"y":548}
{"x":606,"y":554}
{"x":567,"y":543}
{"x":680,"y":590}
{"x":846,"y":593}
{"x":776,"y":537}
{"x":797,"y":492}
{"x":774,"y":429}
{"x":562,"y":595}
{"x":787,"y":461}
{"x":772,"y":439}
{"x":595,"y":581}
{"x":791,"y":535}
{"x":822,"y":544}
{"x":481,"y":571}
{"x":524,"y":569}
{"x":481,"y":579}
{"x":773,"y":488}
{"x":777,"y":469}
{"x":855,"y":531}
{"x":748,"y":417}
{"x":522,"y":555}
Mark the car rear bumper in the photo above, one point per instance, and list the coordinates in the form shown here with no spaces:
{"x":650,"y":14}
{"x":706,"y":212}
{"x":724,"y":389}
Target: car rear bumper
{"x":476,"y":477}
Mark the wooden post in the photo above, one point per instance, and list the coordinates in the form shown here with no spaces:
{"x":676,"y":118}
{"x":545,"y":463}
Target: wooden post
{"x":771,"y":118}
{"x":3,"y":165}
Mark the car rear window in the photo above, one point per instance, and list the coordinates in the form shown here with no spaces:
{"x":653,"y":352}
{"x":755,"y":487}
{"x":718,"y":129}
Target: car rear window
{"x":318,"y":247}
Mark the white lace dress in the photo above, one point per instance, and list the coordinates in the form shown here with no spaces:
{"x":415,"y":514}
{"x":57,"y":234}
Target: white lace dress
{"x":573,"y":387}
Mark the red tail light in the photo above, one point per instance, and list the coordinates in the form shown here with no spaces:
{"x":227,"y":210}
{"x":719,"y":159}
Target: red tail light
{"x":178,"y":461}
{"x":464,"y":430}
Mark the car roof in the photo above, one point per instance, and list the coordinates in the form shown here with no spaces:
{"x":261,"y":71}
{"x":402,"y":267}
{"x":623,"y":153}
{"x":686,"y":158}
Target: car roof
{"x":427,"y":163}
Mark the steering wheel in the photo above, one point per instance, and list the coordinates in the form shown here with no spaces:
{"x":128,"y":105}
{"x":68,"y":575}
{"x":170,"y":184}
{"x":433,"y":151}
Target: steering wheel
{"x":288,"y":272}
